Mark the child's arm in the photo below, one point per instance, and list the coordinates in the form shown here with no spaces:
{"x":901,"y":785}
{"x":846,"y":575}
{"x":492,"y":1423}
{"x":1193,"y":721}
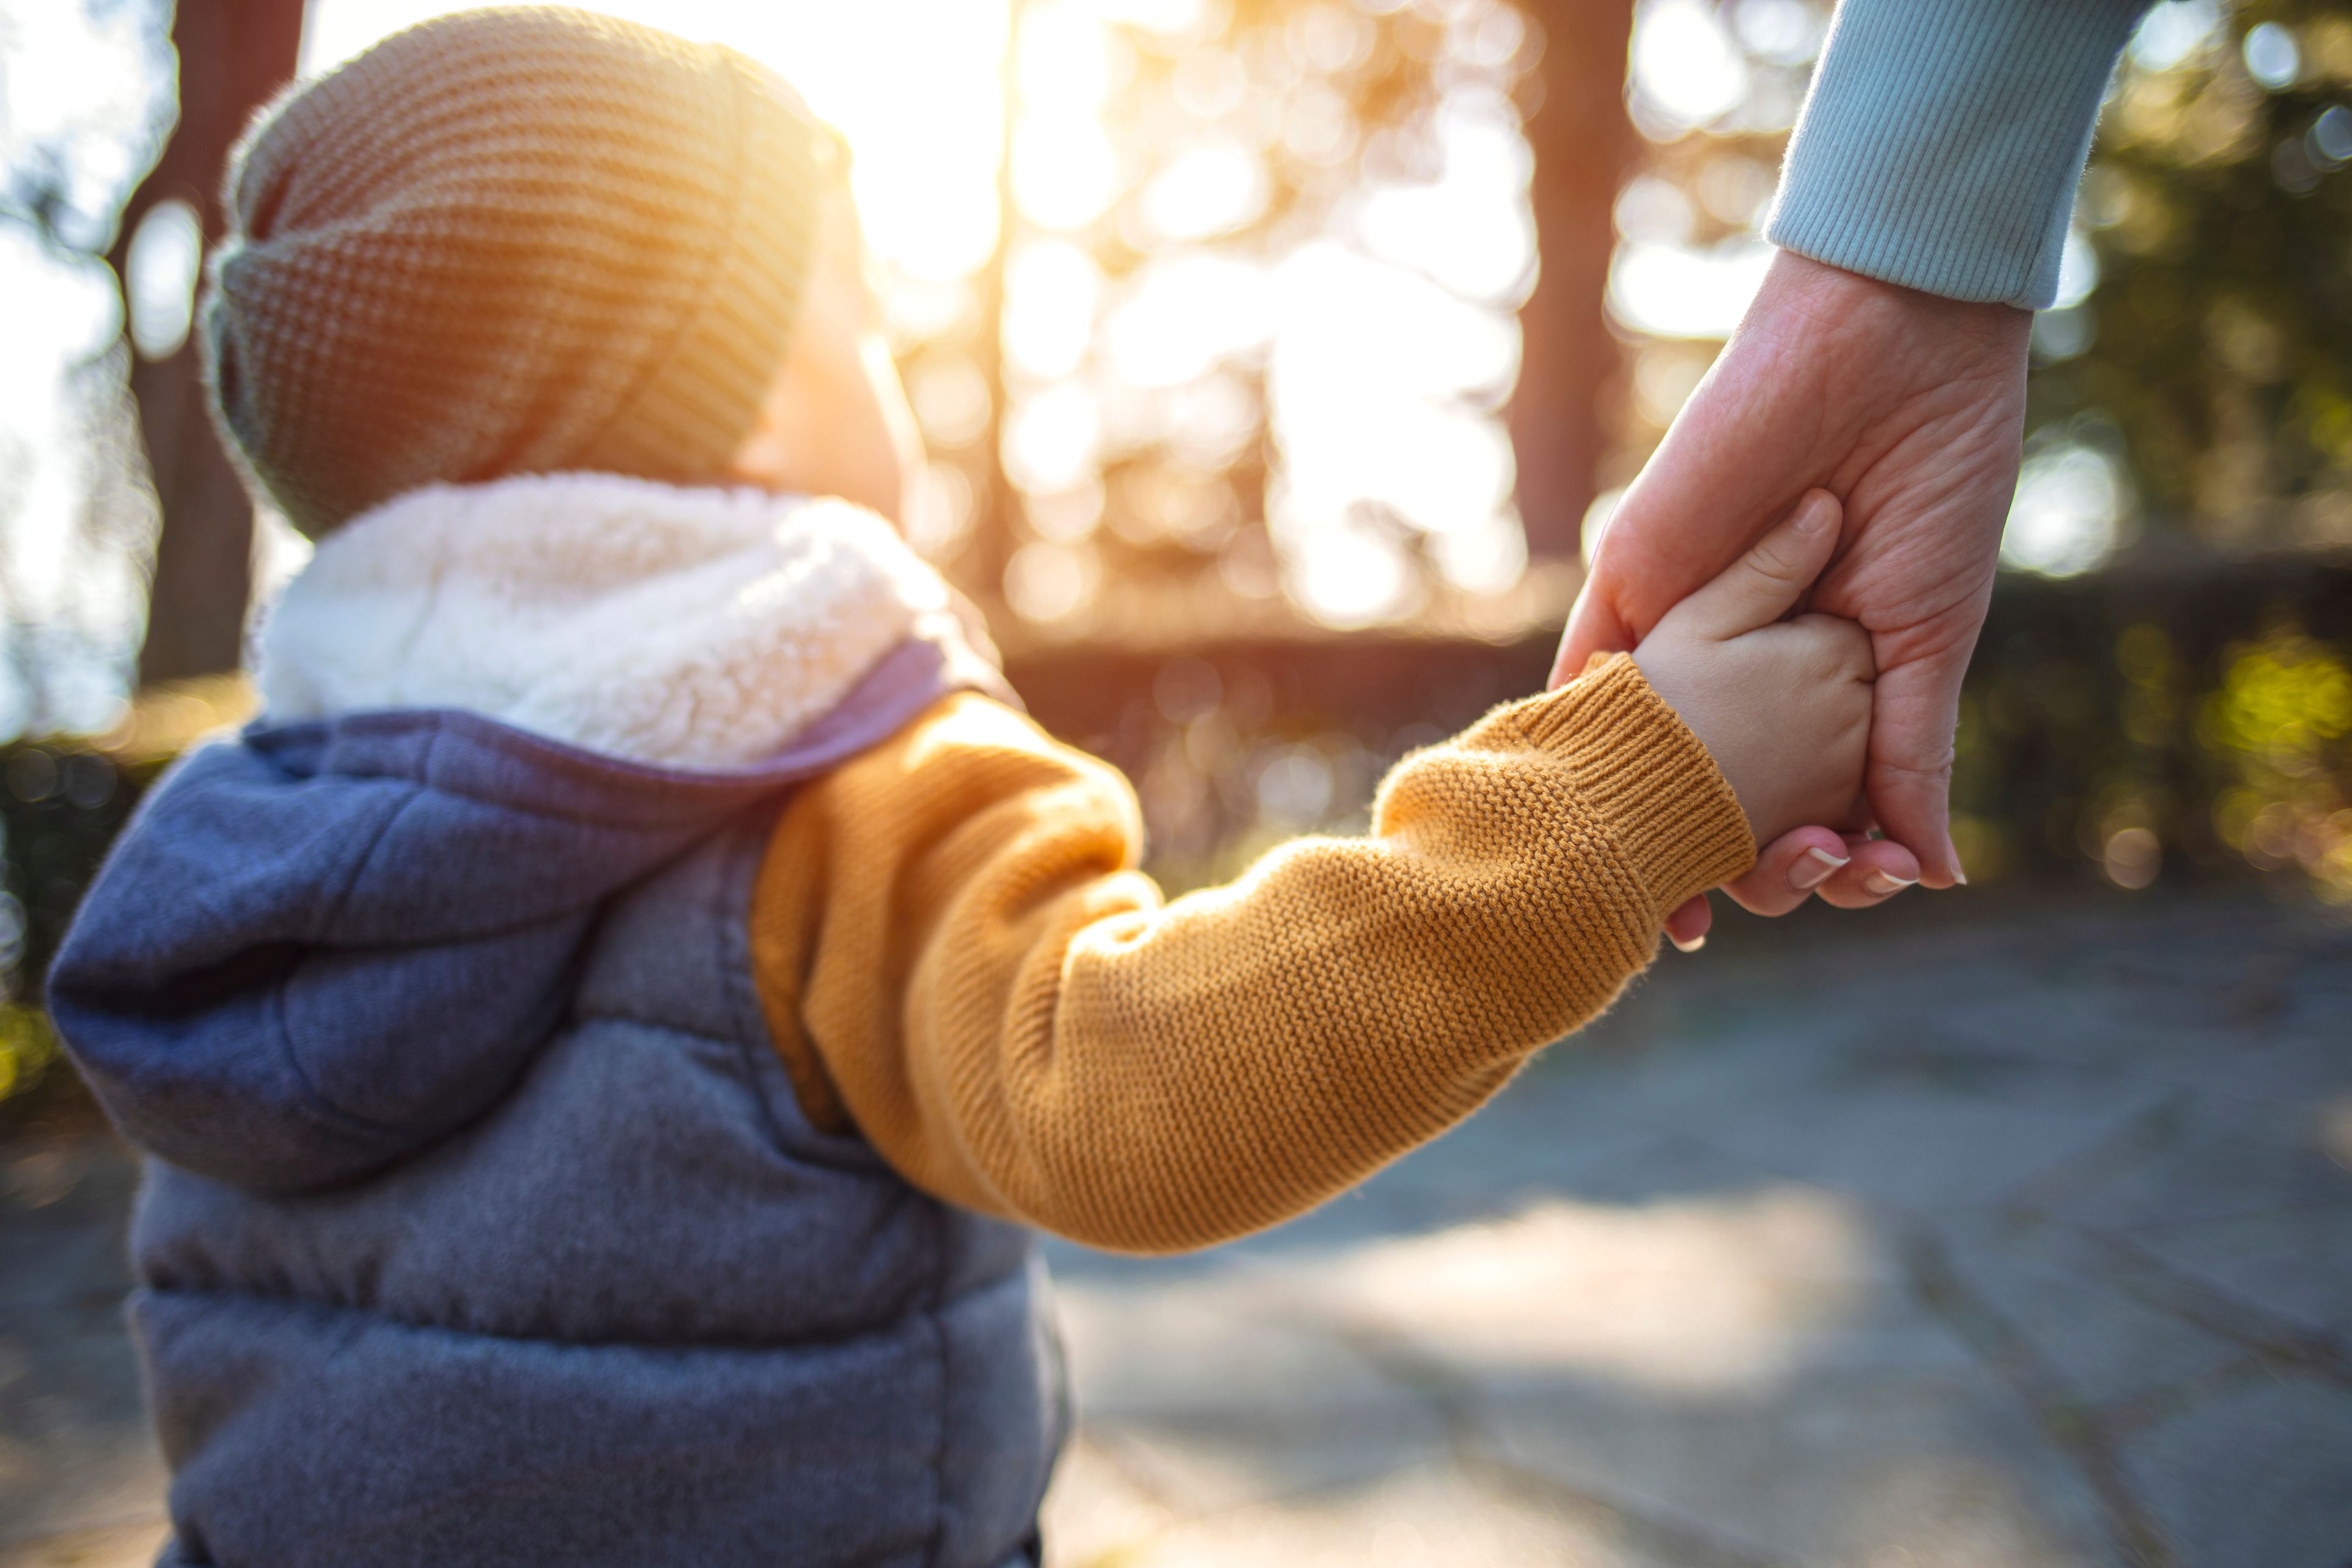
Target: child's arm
{"x":958,"y":959}
{"x":1004,"y":1008}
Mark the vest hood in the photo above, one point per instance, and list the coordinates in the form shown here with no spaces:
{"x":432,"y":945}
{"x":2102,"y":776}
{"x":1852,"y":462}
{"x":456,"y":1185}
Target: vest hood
{"x":337,"y":939}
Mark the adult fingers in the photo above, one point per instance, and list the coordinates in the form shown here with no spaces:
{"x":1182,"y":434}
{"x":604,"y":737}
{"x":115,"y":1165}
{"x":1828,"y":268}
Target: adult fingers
{"x":1914,"y":711}
{"x":1880,"y":868}
{"x":1594,"y":627}
{"x":1789,"y":870}
{"x":1688,"y":926}
{"x":1774,"y":414}
{"x":1766,"y":584}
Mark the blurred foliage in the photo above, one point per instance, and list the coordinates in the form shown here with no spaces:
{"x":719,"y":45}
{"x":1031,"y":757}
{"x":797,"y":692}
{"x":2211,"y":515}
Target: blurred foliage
{"x":2162,"y":726}
{"x":2204,"y":339}
{"x":27,"y":1047}
{"x":2202,"y":355}
{"x":62,"y":804}
{"x":62,"y":800}
{"x":1235,"y":747}
{"x":1104,"y":464}
{"x":2218,"y":340}
{"x":1715,"y":90}
{"x":2282,"y":716}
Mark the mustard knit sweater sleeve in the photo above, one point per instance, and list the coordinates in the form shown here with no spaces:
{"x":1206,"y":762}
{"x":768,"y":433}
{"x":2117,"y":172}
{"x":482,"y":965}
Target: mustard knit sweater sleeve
{"x":958,"y":960}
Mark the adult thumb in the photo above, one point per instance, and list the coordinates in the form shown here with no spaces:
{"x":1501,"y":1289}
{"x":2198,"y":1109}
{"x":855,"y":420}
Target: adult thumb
{"x":1766,"y":584}
{"x":1594,"y":625}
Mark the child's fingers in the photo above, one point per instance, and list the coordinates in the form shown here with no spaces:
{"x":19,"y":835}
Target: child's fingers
{"x":1766,"y":584}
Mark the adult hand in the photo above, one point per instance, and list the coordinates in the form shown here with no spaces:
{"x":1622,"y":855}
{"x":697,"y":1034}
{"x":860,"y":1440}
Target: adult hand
{"x":1909,"y":408}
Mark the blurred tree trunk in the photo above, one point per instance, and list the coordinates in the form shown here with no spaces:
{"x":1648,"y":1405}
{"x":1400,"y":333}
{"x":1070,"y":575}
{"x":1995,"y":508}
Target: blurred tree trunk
{"x":1583,"y":146}
{"x":234,"y":56}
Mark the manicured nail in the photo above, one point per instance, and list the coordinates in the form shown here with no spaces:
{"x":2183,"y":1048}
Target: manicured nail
{"x":1693,"y":945}
{"x":1959,"y":872}
{"x":1883,"y":883}
{"x":1817,"y":866}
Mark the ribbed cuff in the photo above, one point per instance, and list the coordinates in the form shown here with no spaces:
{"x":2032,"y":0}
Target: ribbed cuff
{"x":1943,"y":140}
{"x":1666,"y":805}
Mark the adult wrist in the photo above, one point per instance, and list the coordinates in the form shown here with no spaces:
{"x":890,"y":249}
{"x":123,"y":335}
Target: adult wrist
{"x":1943,"y":140}
{"x":1835,"y":299}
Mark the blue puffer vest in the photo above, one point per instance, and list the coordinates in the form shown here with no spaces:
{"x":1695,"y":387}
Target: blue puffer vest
{"x":482,"y":1225}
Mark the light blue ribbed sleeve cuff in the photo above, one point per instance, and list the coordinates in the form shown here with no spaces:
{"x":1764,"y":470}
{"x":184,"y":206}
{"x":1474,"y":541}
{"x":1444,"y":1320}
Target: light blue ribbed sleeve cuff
{"x":1943,"y":140}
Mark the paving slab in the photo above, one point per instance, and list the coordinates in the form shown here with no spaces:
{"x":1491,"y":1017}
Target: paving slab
{"x":70,"y":1411}
{"x":77,"y":1465}
{"x":1887,"y":1116}
{"x":2101,"y":1345}
{"x":1753,"y":1369}
{"x":1681,"y":1295}
{"x":2246,"y":1195}
{"x":1936,"y":1468}
{"x":1215,"y":1393}
{"x":2293,"y":1263}
{"x":2259,"y":1476}
{"x":1437,"y":1516}
{"x":1096,"y":1515}
{"x":130,"y":1545}
{"x":2211,"y":1158}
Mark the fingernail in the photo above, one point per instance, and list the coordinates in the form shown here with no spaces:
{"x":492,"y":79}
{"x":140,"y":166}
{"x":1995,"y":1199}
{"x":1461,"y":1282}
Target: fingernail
{"x":1693,"y":945}
{"x":1882,"y":883}
{"x":1812,"y":515}
{"x":1817,"y":866}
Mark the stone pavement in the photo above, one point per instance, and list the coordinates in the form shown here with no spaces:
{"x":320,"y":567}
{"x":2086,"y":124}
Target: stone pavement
{"x":2021,"y":1243}
{"x":80,"y":1478}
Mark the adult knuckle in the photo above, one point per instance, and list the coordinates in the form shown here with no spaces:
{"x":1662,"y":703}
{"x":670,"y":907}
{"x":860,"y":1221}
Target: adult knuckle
{"x":1779,"y":559}
{"x":1893,"y":770}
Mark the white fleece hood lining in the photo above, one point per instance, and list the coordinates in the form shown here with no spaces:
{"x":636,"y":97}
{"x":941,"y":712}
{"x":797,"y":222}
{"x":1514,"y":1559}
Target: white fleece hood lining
{"x":682,"y":628}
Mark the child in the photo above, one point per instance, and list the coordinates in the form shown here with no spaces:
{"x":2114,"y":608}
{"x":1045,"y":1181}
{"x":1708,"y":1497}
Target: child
{"x":607,"y":1035}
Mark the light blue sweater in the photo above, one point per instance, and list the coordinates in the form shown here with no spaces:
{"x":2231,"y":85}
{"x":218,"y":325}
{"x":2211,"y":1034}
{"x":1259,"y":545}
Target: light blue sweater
{"x":1943,"y":140}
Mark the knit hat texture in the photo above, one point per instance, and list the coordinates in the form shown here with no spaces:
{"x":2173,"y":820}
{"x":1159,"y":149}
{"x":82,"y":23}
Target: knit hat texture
{"x":519,"y":240}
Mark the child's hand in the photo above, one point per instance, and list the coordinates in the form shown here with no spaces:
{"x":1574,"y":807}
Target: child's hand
{"x":1782,"y":706}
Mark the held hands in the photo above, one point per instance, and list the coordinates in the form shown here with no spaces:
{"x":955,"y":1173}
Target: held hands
{"x":1909,"y":408}
{"x":1783,"y":706}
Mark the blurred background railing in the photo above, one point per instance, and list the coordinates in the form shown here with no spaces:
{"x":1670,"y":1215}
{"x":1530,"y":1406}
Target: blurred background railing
{"x":1279,"y":359}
